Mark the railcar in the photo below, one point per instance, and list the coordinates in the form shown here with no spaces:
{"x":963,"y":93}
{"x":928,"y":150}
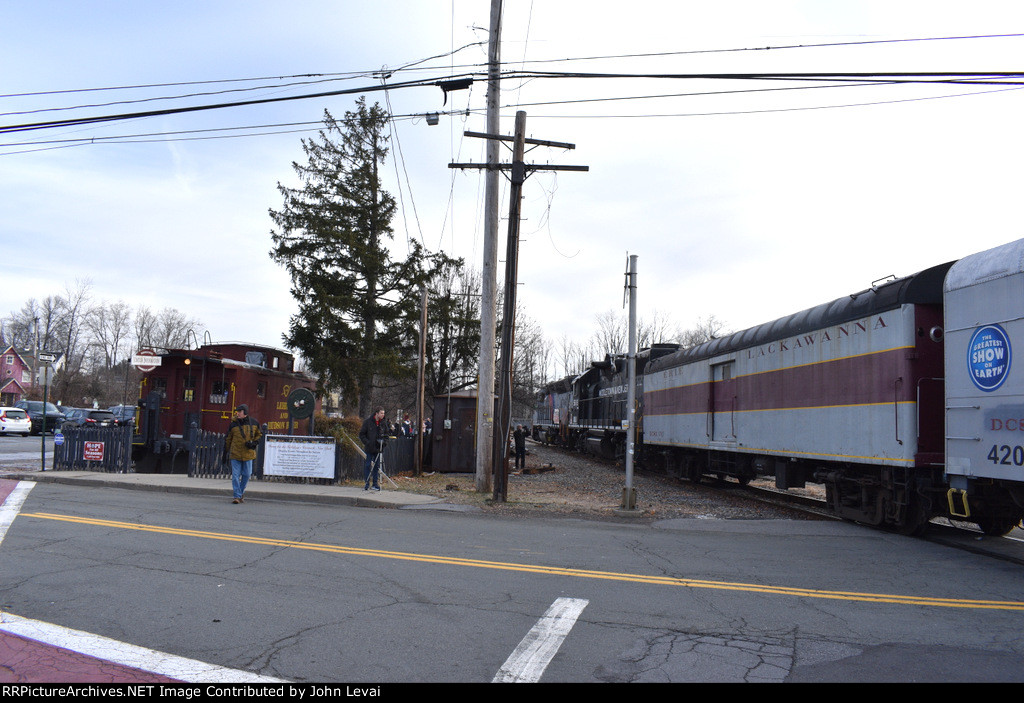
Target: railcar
{"x":984,"y":321}
{"x":193,"y":391}
{"x":598,"y":419}
{"x":899,"y":399}
{"x":550,"y":420}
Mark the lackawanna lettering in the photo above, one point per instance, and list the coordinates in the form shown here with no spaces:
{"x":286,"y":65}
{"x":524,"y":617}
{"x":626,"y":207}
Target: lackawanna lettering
{"x":850,"y":329}
{"x":616,"y":390}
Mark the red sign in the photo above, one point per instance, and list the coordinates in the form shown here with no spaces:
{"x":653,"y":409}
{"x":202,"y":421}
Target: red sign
{"x":92,"y":451}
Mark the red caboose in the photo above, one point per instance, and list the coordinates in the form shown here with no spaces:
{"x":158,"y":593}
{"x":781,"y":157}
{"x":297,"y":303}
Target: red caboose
{"x":198,"y":390}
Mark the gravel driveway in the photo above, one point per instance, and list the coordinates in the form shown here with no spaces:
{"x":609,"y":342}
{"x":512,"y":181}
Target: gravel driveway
{"x":570,"y":484}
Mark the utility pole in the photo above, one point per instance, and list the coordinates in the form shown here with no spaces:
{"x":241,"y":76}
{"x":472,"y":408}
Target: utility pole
{"x":488,"y":274}
{"x":629,"y":492}
{"x":499,"y":448}
{"x":519,"y":170}
{"x":421,"y":381}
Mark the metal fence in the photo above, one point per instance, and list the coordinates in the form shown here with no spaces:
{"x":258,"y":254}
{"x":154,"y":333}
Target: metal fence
{"x":110,"y":450}
{"x":107,"y":449}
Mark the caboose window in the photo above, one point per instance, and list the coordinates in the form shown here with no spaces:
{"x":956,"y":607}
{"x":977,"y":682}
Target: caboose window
{"x":261,"y":390}
{"x":219,"y":393}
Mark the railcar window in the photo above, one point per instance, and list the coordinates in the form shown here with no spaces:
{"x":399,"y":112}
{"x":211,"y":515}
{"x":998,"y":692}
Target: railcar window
{"x":261,"y":390}
{"x":256,"y":358}
{"x":219,"y":393}
{"x":723,"y":372}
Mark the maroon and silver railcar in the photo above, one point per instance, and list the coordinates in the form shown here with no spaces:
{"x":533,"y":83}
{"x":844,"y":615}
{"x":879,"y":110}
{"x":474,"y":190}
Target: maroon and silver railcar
{"x":849,"y":394}
{"x":198,"y":389}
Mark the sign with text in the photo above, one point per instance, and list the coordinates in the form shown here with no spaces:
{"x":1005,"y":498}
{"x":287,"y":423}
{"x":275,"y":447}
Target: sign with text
{"x":309,"y":457}
{"x":146,"y":360}
{"x":92,"y":451}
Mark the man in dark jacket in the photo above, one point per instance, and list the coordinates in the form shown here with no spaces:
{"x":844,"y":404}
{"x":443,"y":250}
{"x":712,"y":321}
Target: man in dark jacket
{"x":519,"y":436}
{"x":243,"y":438}
{"x":373,"y":434}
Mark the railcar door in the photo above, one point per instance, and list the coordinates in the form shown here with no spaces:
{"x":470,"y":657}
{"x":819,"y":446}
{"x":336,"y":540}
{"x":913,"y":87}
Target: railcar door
{"x":722,"y":415}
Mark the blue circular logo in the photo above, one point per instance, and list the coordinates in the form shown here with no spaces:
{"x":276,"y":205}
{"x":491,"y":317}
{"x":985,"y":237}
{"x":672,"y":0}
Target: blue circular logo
{"x":989,"y":357}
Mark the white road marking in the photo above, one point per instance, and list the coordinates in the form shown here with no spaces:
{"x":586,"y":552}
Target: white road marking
{"x":529,"y":660}
{"x":169,"y":665}
{"x":12,"y":506}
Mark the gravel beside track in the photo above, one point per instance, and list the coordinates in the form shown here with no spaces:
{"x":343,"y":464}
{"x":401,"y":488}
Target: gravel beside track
{"x":559,"y":483}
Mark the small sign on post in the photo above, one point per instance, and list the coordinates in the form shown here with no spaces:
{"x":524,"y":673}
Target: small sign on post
{"x":146,"y":360}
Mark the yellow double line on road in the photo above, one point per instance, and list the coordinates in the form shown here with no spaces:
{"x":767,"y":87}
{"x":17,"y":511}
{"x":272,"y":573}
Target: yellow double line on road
{"x":547,"y":570}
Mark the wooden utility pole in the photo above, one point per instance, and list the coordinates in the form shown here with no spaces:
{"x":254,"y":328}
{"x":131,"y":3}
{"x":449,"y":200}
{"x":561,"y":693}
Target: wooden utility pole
{"x":488,"y":273}
{"x":418,"y":461}
{"x":519,"y":170}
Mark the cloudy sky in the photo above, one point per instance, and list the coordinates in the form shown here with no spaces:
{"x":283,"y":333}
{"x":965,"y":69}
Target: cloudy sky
{"x":746,"y":200}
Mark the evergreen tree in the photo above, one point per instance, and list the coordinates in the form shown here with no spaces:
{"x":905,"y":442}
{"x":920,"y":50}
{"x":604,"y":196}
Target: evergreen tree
{"x":356,"y":299}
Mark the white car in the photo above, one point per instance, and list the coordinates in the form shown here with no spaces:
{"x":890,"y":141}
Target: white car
{"x":14,"y":420}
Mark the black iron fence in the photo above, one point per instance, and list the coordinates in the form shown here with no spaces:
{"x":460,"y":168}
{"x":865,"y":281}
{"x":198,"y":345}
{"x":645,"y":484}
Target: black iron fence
{"x":107,"y":449}
{"x":203,"y":456}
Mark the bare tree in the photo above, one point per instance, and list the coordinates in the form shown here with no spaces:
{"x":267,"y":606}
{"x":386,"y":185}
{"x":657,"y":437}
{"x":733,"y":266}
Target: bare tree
{"x":171,"y":328}
{"x":109,"y":325}
{"x":143,"y":327}
{"x":703,"y":331}
{"x":74,"y":308}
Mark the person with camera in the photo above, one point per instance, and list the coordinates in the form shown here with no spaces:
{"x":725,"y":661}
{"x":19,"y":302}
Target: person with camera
{"x":242,"y":440}
{"x":374,"y":435}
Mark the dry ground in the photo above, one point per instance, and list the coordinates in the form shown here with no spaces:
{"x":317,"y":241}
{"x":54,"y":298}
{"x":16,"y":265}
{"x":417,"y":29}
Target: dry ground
{"x":569,"y":484}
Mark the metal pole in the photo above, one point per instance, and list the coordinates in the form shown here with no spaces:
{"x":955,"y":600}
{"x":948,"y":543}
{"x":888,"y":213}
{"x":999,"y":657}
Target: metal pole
{"x":42,"y":434}
{"x":629,"y":492}
{"x":488,"y":294}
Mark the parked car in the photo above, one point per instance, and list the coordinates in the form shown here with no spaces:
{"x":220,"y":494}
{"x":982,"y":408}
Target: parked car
{"x":87,"y":417}
{"x":14,"y":420}
{"x":52,"y":417}
{"x":125,"y":414}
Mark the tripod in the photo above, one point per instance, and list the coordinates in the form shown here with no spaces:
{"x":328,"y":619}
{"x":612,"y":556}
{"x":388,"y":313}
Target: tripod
{"x":377,"y":467}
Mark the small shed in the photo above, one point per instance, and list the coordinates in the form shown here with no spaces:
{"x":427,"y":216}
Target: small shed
{"x":453,"y":432}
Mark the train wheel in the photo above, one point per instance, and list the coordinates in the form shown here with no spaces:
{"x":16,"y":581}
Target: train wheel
{"x":915,"y":519}
{"x":997,"y":525}
{"x":694,"y":471}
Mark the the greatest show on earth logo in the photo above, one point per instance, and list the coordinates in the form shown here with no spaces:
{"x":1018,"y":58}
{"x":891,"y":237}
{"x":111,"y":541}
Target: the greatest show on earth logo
{"x":989,"y":357}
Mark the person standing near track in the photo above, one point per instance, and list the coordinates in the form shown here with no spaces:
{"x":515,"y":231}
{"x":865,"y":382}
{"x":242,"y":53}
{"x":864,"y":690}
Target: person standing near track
{"x":519,"y":436}
{"x":243,"y":438}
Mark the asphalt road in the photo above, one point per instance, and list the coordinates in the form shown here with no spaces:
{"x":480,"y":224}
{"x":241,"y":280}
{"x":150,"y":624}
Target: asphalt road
{"x":315,"y":593}
{"x":26,"y":451}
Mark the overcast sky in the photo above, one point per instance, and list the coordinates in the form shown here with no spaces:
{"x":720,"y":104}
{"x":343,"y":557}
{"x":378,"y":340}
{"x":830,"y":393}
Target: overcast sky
{"x":747,"y":204}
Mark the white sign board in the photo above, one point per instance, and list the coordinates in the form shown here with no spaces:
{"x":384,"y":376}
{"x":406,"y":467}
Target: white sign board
{"x":310,"y":457}
{"x":146,"y":360}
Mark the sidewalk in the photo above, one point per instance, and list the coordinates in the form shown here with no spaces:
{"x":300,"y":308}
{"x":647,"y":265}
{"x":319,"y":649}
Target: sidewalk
{"x":257,"y":490}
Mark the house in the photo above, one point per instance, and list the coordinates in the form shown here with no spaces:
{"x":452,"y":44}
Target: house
{"x":15,"y":374}
{"x":19,"y":373}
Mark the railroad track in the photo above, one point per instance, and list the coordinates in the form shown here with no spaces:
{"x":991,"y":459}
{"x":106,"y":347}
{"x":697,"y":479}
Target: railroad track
{"x":958,"y":535}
